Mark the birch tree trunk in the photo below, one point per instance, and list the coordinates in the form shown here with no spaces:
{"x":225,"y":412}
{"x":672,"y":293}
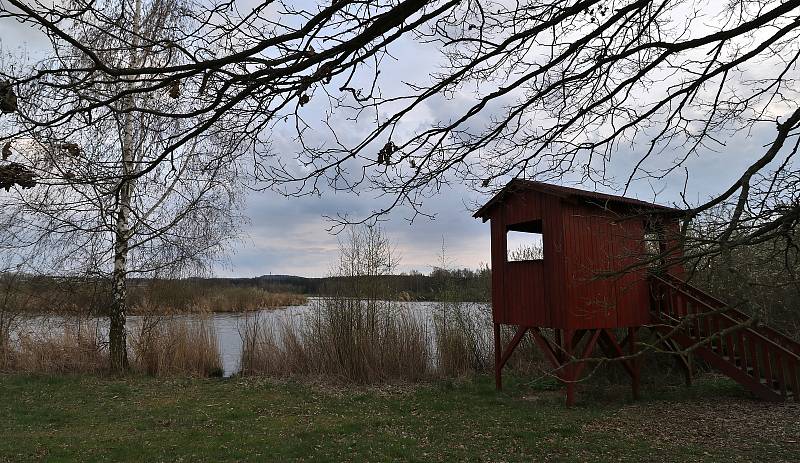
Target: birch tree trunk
{"x":117,"y":335}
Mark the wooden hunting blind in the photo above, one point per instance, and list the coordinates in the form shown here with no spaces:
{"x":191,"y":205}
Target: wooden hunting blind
{"x":609,"y":265}
{"x":590,"y":279}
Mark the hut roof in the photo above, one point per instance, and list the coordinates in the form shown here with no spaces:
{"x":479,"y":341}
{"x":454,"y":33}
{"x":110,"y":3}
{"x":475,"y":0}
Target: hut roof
{"x":517,"y":186}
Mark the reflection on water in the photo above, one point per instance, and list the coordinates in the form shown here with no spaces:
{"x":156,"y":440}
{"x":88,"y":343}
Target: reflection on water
{"x":229,"y":326}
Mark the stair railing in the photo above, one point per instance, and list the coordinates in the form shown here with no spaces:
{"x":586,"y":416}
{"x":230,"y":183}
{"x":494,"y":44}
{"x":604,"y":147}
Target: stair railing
{"x":758,"y":352}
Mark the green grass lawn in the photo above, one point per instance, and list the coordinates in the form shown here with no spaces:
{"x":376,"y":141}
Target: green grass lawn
{"x":144,"y":419}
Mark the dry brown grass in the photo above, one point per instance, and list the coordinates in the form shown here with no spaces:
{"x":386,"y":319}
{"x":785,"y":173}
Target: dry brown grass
{"x":245,"y":299}
{"x":367,"y":342}
{"x":342,"y":340}
{"x":43,"y":295}
{"x":175,"y":346}
{"x":74,"y":346}
{"x":160,"y":346}
{"x":175,"y":299}
{"x":6,"y":324}
{"x":462,"y":342}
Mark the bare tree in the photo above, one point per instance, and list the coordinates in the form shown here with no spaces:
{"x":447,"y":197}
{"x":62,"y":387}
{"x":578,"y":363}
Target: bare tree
{"x":367,"y":259}
{"x":100,"y":199}
{"x":551,"y":90}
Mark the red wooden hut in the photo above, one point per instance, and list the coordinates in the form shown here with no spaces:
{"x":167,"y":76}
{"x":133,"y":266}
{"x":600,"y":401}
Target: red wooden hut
{"x":593,"y":287}
{"x":581,"y":289}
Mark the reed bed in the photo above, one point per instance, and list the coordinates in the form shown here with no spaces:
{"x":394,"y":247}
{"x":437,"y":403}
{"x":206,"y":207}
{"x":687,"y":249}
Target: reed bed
{"x":175,"y":346}
{"x":74,"y":297}
{"x":462,"y":340}
{"x":158,"y":346}
{"x":74,"y":346}
{"x":171,"y":299}
{"x":343,"y":340}
{"x":7,"y":323}
{"x":366,"y":342}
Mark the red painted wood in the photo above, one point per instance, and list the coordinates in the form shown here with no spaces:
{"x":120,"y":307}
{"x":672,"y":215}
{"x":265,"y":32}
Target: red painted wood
{"x":779,"y":376}
{"x":740,"y":351}
{"x":546,"y":348}
{"x":764,"y":365}
{"x":582,"y":241}
{"x":498,"y":370}
{"x":587,"y":352}
{"x":512,"y":345}
{"x":586,"y":238}
{"x":499,"y":313}
{"x":754,"y":360}
{"x":716,"y":361}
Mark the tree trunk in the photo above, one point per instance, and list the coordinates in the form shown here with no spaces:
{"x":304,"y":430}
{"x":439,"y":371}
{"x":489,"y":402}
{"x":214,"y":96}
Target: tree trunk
{"x":119,"y":277}
{"x":117,"y":335}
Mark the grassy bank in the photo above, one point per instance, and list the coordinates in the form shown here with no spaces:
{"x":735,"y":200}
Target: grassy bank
{"x":88,"y":418}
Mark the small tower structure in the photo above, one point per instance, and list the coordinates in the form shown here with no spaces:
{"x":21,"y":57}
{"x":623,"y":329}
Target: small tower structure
{"x":588,"y":289}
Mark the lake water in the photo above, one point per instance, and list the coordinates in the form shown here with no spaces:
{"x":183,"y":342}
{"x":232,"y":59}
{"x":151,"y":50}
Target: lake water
{"x":229,"y":326}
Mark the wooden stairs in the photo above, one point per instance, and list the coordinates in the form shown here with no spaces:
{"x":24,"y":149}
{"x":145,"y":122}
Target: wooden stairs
{"x":761,"y":359}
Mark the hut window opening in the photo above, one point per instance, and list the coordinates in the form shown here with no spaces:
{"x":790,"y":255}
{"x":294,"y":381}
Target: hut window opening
{"x":654,"y":244}
{"x":524,"y":242}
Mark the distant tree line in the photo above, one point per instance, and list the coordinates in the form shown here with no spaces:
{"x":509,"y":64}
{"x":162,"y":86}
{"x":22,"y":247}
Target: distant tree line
{"x":470,"y":284}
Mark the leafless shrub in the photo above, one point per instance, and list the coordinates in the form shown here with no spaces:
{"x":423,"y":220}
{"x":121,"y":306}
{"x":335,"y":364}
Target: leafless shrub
{"x":529,"y":252}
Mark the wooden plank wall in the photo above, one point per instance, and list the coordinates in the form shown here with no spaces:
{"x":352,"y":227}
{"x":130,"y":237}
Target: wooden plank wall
{"x":562,"y":290}
{"x":525,"y":303}
{"x":498,"y":232}
{"x":531,"y":293}
{"x":591,"y":301}
{"x":632,"y":288}
{"x":597,"y":243}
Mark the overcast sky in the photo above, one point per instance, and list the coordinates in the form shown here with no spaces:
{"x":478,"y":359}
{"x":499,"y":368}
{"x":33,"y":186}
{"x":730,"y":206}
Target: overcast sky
{"x":288,"y":235}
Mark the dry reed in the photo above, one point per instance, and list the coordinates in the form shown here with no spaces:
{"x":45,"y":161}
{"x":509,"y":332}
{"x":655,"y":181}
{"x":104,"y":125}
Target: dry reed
{"x":74,"y":346}
{"x":342,"y":340}
{"x":215,"y":299}
{"x":6,"y":324}
{"x":175,"y":346}
{"x":365,"y":342}
{"x":462,"y":341}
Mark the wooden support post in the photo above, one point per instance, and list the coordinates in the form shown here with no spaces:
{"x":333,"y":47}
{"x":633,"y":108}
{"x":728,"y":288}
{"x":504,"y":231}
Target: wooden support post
{"x":568,"y":371}
{"x":587,"y":352}
{"x":546,"y":348}
{"x":635,"y":363}
{"x":512,"y":345}
{"x":498,"y":379}
{"x":688,"y":369}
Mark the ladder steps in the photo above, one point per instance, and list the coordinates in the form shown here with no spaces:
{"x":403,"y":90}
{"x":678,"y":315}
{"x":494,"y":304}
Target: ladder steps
{"x":761,"y":359}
